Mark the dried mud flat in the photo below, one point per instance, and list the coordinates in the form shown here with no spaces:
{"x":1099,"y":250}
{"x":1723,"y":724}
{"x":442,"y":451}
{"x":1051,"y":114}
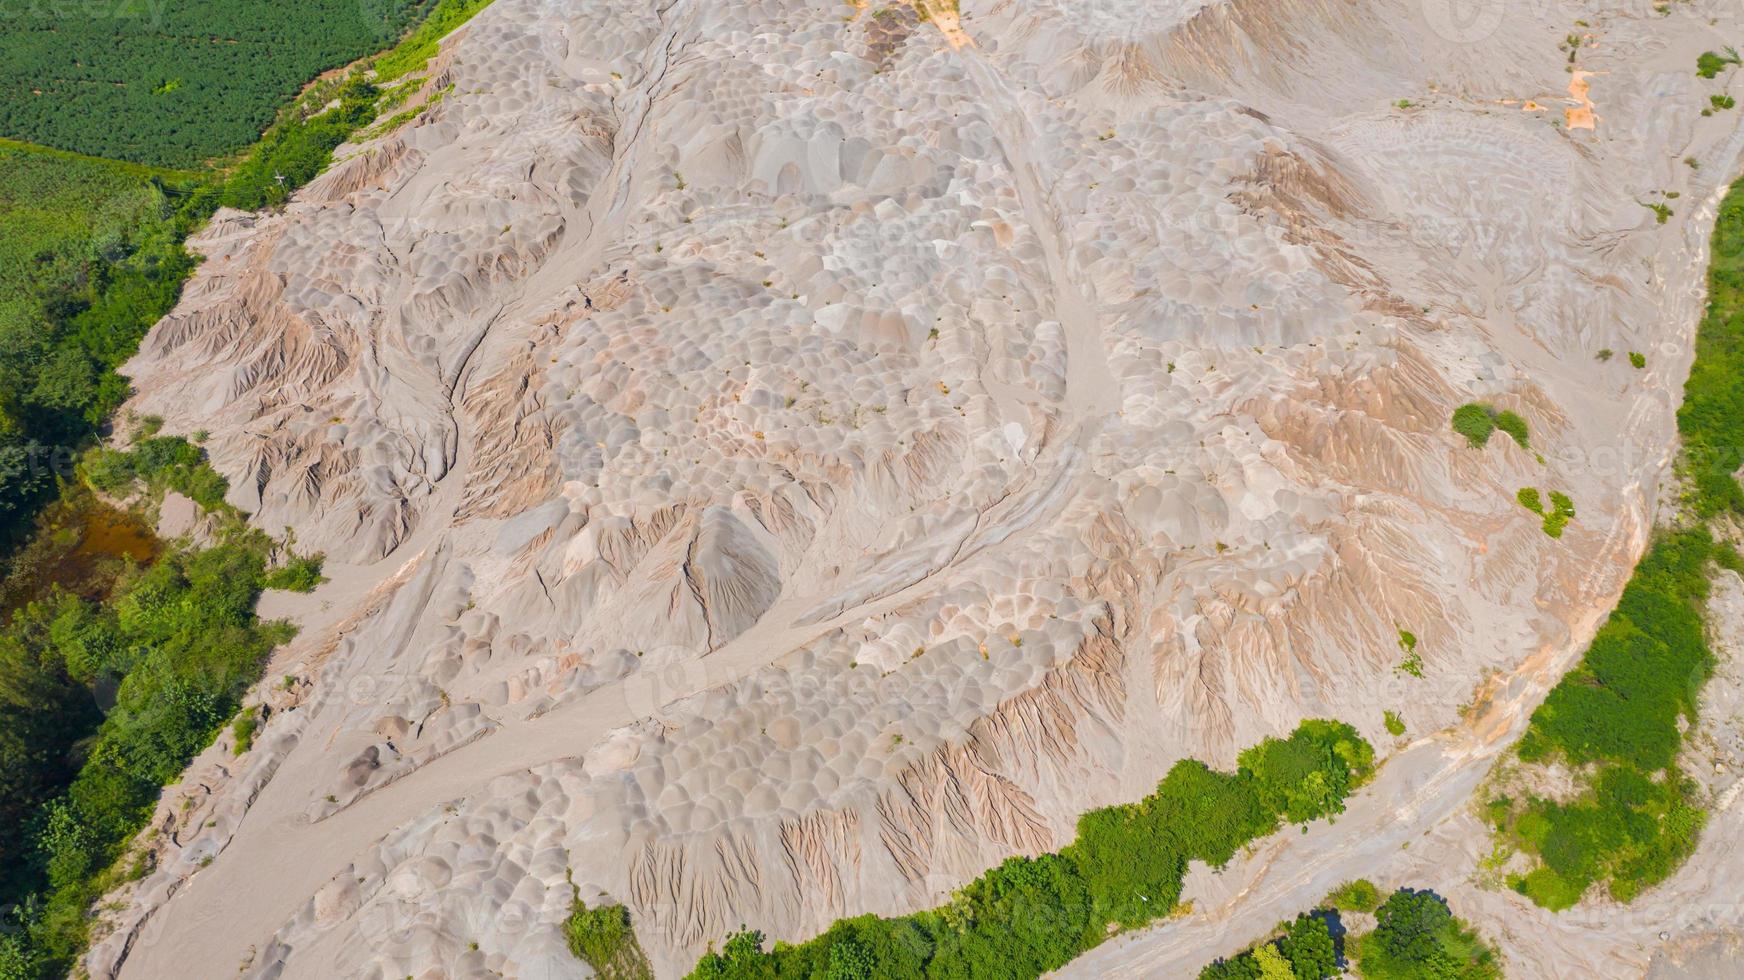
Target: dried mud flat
{"x":778,"y":459}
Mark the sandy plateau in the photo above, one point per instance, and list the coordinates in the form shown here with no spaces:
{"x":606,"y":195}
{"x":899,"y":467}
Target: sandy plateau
{"x":777,"y":459}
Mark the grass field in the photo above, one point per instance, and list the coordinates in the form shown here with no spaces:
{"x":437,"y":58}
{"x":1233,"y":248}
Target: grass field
{"x":55,"y":207}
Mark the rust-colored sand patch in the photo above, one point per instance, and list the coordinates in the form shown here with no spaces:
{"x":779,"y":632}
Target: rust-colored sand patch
{"x":1579,"y":114}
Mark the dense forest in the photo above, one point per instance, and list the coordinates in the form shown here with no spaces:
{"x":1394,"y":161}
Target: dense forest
{"x":175,"y":84}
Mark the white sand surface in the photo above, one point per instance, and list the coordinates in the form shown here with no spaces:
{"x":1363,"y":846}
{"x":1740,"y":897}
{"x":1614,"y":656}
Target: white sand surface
{"x":777,"y":459}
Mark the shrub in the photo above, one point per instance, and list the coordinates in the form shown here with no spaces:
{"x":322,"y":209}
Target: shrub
{"x":242,"y":730}
{"x":604,"y":939}
{"x":1416,"y":937}
{"x":301,"y":573}
{"x":1618,"y":718}
{"x":1395,"y":724}
{"x":1636,"y":358}
{"x":1475,"y":423}
{"x":1528,"y":498}
{"x":1710,"y":64}
{"x":1355,"y":896}
{"x":1605,"y":353}
{"x":1514,"y":426}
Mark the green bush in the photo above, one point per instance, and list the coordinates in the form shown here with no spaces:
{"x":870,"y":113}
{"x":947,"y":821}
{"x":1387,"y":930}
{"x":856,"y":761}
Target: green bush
{"x":1710,"y":64}
{"x":1514,"y":426}
{"x":1636,"y":358}
{"x":604,"y":939}
{"x":1475,"y":422}
{"x":1619,"y":719}
{"x":242,"y":730}
{"x":1395,"y":724}
{"x":1528,"y":498}
{"x":1416,"y":937}
{"x":1305,"y":951}
{"x":1355,"y":896}
{"x":161,"y":463}
{"x":301,"y":573}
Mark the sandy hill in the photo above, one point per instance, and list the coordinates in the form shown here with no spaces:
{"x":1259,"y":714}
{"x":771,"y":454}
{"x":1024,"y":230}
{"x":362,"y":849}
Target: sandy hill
{"x":777,"y":459}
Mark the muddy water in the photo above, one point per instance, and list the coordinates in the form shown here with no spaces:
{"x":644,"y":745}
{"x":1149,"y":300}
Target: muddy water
{"x":80,"y":544}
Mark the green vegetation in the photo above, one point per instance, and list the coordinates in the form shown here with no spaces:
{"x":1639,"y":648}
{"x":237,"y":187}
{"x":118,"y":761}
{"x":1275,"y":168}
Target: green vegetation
{"x":296,"y":150}
{"x":90,"y":257}
{"x":175,"y":85}
{"x":1561,"y":512}
{"x":1477,"y":421}
{"x":1709,"y":64}
{"x":1514,"y":426}
{"x":604,"y":939}
{"x":1712,"y":414}
{"x":160,"y":463}
{"x":1721,"y":101}
{"x":1605,"y":353}
{"x":1395,"y":724}
{"x":179,"y":644}
{"x":1618,"y":719}
{"x":1360,"y":895}
{"x":1557,"y":517}
{"x":1413,"y":662}
{"x":242,"y":729}
{"x":1305,"y":950}
{"x":1661,"y":212}
{"x":416,"y":50}
{"x":299,"y":573}
{"x":1473,"y":422}
{"x":1416,"y":938}
{"x":1031,"y":915}
{"x":1637,"y":359}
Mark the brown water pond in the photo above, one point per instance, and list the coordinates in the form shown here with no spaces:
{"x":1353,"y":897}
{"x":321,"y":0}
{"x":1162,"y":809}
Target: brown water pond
{"x":80,"y":544}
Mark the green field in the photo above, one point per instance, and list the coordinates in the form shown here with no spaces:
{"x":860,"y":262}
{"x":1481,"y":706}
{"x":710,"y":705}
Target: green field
{"x":174,"y":84}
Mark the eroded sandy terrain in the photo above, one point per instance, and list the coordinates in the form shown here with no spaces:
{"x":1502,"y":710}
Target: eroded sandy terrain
{"x":777,"y":459}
